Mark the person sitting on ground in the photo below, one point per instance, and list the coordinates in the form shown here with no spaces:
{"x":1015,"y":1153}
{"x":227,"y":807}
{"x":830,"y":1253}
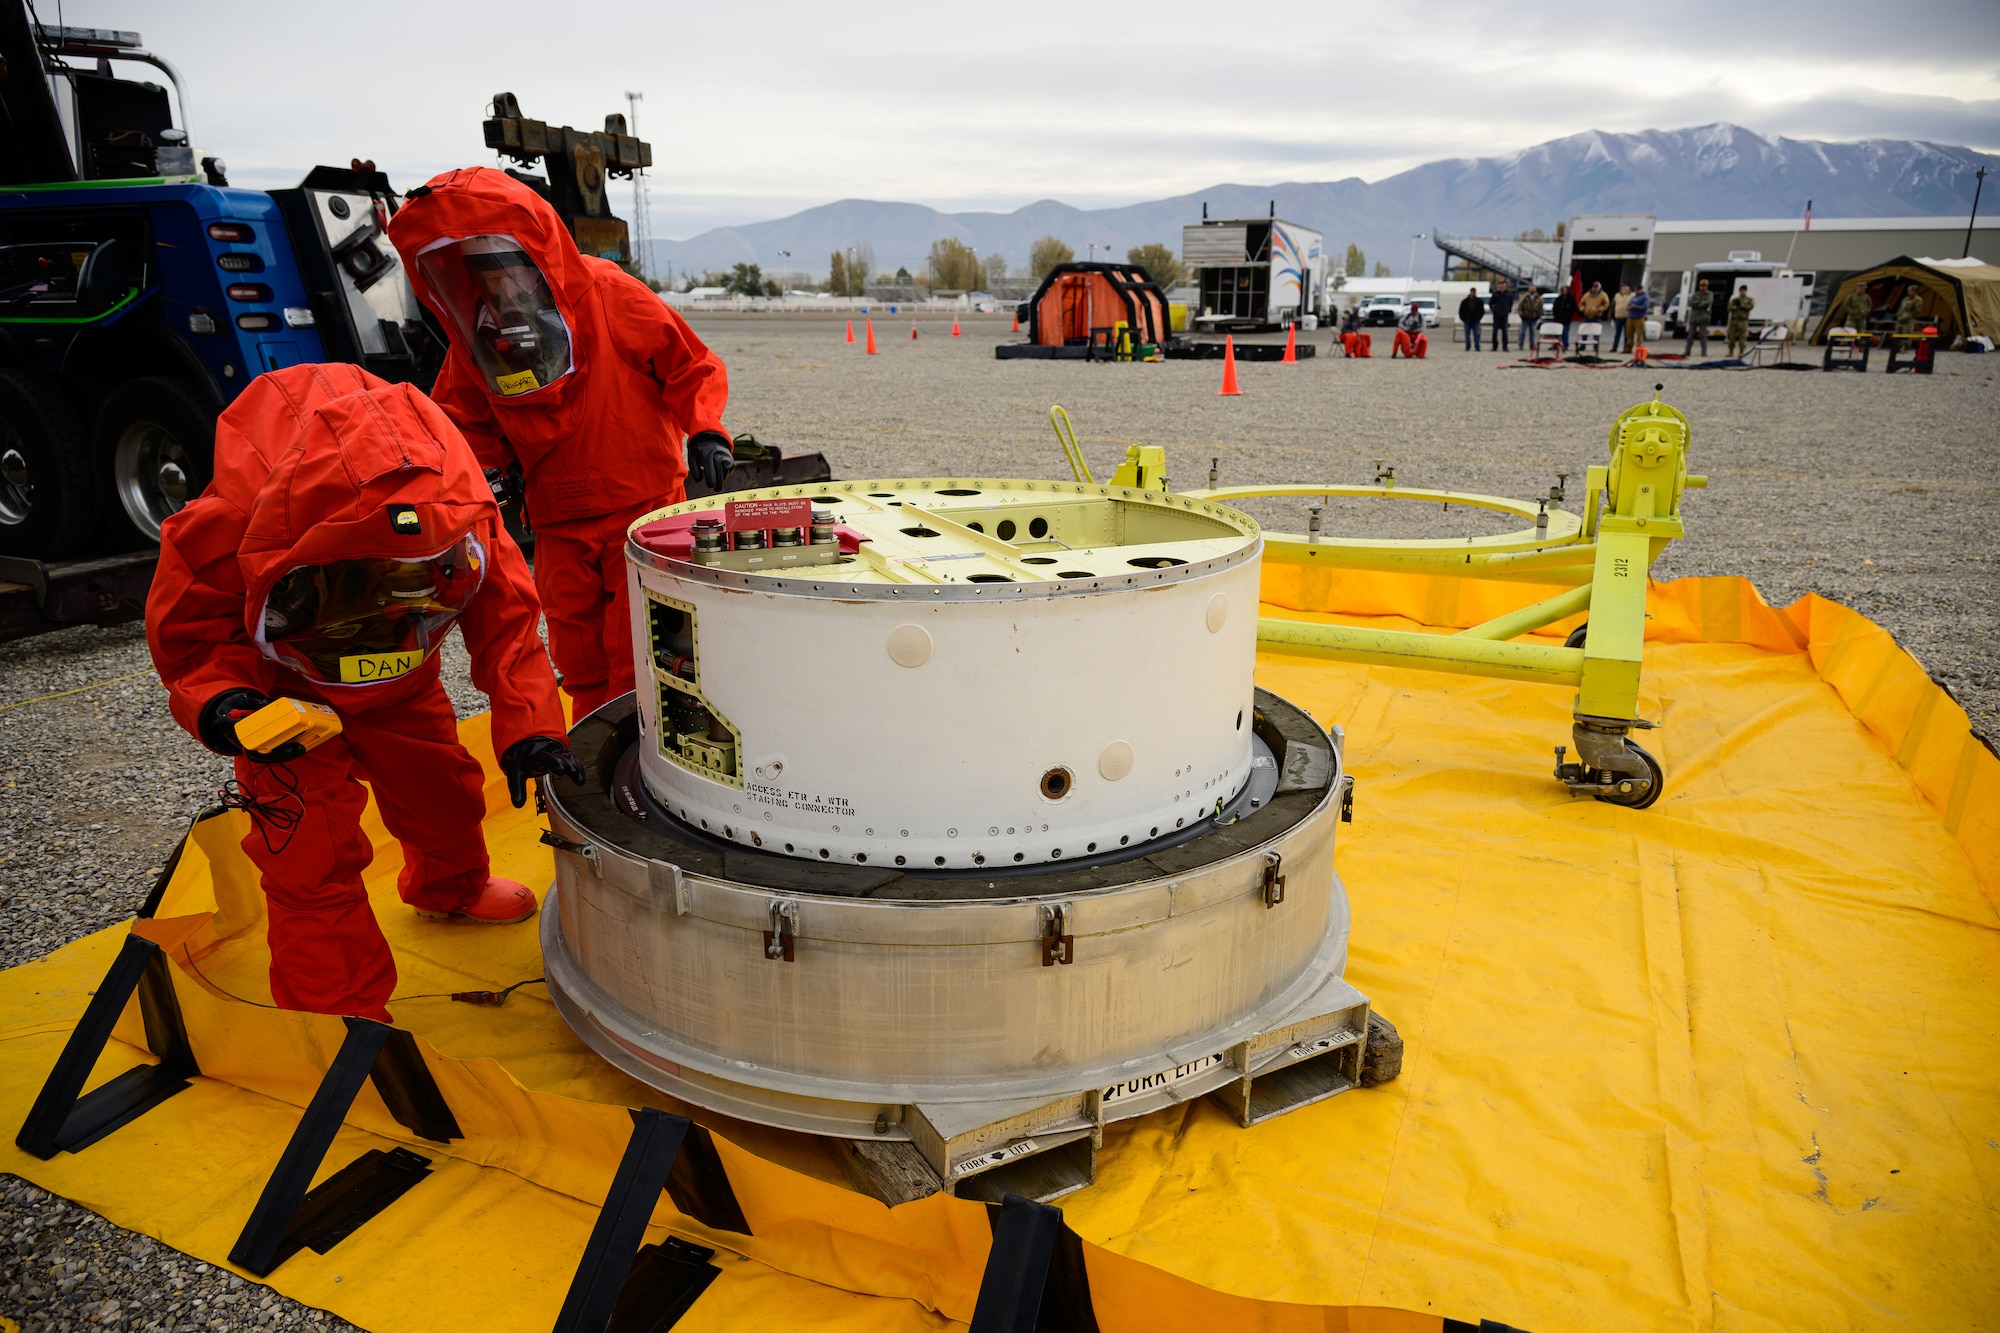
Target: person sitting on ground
{"x":1700,"y":314}
{"x":1636,"y":310}
{"x":1470,"y":312}
{"x":1353,"y":340}
{"x":1411,"y":340}
{"x":1500,"y":305}
{"x":1530,"y":310}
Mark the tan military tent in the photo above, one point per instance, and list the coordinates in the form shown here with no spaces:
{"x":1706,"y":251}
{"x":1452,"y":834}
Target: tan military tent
{"x":1960,"y":297}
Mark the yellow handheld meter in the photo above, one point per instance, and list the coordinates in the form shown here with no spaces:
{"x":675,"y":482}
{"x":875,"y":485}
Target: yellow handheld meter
{"x":285,"y":720}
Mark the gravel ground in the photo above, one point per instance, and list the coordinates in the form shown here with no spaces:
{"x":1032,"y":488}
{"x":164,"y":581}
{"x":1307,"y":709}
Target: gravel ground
{"x":1863,"y":488}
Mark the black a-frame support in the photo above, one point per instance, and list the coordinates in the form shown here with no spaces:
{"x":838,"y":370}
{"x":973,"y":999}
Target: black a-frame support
{"x":1035,"y":1281}
{"x":63,"y":1121}
{"x":287,"y":1218}
{"x":619,"y":1288}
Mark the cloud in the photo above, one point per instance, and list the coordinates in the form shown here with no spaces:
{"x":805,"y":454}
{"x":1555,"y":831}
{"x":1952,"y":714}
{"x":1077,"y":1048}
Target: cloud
{"x":755,"y":111}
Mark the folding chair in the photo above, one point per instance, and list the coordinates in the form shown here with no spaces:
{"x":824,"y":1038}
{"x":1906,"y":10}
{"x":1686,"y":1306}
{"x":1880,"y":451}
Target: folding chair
{"x":1773,"y":346}
{"x":1548,"y":341}
{"x":1588,"y":336}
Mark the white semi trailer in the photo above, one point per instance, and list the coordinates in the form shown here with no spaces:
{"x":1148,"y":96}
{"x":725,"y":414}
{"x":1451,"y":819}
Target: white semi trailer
{"x":1254,"y":273}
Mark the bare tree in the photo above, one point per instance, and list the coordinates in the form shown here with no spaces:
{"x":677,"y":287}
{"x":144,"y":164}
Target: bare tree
{"x":860,"y":263}
{"x":996,"y":269}
{"x":1045,"y":254}
{"x":1160,"y":263}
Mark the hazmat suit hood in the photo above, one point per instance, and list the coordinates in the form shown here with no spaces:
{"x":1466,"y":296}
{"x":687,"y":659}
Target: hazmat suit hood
{"x":317,"y":465}
{"x":480,"y":202}
{"x":325,"y":476}
{"x":594,"y":398}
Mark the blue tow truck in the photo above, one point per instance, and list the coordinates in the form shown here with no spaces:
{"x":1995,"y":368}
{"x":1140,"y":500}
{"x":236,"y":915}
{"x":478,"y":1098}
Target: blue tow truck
{"x":139,"y":294}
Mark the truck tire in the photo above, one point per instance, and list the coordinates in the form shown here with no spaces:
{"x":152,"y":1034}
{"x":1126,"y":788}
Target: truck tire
{"x":46,"y":510}
{"x":155,"y":452}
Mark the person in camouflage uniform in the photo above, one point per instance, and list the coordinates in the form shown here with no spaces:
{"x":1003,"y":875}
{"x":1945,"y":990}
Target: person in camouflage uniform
{"x":1859,"y":308}
{"x":1908,"y":311}
{"x":1700,"y":314}
{"x":1740,"y":306}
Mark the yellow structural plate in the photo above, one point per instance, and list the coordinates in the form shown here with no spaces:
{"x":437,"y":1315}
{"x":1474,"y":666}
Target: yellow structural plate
{"x":980,"y":530}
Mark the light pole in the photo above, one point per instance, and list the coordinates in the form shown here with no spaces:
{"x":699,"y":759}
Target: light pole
{"x":1979,"y":183}
{"x":785,"y":255}
{"x":1411,"y":268}
{"x":640,"y":222}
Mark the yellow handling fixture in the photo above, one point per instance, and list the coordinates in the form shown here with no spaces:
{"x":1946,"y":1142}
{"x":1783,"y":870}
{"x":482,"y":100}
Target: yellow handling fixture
{"x":1631,"y":510}
{"x":284,"y":720}
{"x":1144,"y":468}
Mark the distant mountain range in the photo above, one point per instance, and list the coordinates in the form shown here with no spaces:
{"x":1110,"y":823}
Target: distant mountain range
{"x":1713,"y":171}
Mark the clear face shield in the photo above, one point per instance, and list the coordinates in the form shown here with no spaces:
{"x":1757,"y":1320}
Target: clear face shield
{"x":360,"y":622}
{"x":502,"y":309}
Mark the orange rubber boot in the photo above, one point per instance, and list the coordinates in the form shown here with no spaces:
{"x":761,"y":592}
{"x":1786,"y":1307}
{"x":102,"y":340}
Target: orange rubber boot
{"x":501,"y":903}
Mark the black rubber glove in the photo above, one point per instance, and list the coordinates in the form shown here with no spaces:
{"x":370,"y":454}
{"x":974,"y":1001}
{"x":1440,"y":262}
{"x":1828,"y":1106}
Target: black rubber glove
{"x":506,"y":486}
{"x":710,"y":457}
{"x":217,"y":725}
{"x":537,"y":756}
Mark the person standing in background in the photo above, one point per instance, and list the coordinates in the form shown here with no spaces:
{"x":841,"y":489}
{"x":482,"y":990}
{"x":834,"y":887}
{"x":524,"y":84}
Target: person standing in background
{"x":1470,"y":312}
{"x":1636,"y":310}
{"x":1859,"y":309}
{"x":1620,"y":306}
{"x":1908,"y":311}
{"x":1593,"y":305}
{"x":1700,"y":314}
{"x":1564,"y":314}
{"x":1738,"y":332}
{"x":1501,"y":305}
{"x":1530,"y":309}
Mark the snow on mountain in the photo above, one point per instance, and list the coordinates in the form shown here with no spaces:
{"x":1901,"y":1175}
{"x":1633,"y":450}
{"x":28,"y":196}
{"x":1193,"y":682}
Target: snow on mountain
{"x":1709,"y":171}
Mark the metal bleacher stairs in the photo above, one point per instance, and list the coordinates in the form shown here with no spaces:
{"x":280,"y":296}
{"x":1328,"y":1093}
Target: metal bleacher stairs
{"x":1520,"y":262}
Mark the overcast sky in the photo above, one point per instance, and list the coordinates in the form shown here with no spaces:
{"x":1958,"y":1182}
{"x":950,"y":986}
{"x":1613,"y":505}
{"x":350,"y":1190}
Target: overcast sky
{"x":756,"y":110}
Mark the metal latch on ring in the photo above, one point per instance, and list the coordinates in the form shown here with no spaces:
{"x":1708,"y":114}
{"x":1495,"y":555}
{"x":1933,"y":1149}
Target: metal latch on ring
{"x":1058,"y":945}
{"x":784,"y":929}
{"x":1274,"y":882}
{"x":582,"y":849}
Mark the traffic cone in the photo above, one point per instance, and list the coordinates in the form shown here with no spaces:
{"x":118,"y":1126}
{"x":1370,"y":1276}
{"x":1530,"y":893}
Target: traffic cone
{"x":850,"y":332}
{"x":871,"y":338}
{"x":1017,"y":319}
{"x":913,"y":330}
{"x":1229,"y":389}
{"x":954,"y":326}
{"x":1291,"y":344}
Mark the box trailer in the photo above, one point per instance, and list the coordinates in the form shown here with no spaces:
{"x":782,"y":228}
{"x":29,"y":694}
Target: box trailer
{"x":1254,"y":273}
{"x":1782,"y":295}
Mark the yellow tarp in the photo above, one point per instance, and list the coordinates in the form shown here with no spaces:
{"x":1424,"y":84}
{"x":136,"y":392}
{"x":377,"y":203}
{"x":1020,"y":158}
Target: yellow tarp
{"x":1726,"y":1063}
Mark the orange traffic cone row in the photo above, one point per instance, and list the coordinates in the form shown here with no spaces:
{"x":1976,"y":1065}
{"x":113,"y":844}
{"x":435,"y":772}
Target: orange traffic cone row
{"x":913,"y":330}
{"x":871,"y":338}
{"x":1229,"y":389}
{"x":954,"y":326}
{"x":1291,"y":344}
{"x":850,"y":331}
